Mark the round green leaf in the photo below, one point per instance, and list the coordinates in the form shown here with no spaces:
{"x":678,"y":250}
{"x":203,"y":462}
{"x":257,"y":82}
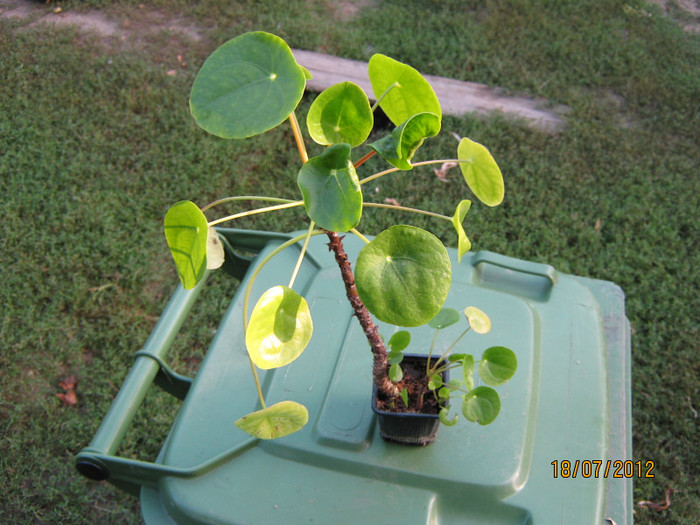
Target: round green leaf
{"x":478,"y":320}
{"x":247,"y":86}
{"x":455,"y":384}
{"x":331,"y":189}
{"x":463,"y":242}
{"x":399,"y":341}
{"x":480,"y":171}
{"x":403,"y":276}
{"x":280,"y":327}
{"x":435,"y":381}
{"x":340,"y":114}
{"x":395,"y":372}
{"x":215,"y":250}
{"x":445,"y":317}
{"x":498,"y":364}
{"x":481,"y":405}
{"x":411,"y":94}
{"x":395,"y":356}
{"x":186,"y":232}
{"x":399,"y":147}
{"x":280,"y":419}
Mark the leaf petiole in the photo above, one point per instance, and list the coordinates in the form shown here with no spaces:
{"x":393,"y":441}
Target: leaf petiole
{"x":381,"y":97}
{"x":298,"y":137}
{"x":421,"y":163}
{"x":365,"y":239}
{"x":245,"y":198}
{"x":405,"y":208}
{"x":301,"y":254}
{"x":289,"y":204}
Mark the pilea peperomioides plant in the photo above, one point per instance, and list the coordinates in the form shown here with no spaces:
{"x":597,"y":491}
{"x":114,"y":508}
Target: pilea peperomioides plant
{"x":253,"y":84}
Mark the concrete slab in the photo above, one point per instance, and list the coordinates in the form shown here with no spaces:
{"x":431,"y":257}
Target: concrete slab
{"x":456,"y":97}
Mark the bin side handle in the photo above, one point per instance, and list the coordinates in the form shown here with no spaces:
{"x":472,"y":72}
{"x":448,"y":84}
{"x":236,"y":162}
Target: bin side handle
{"x":132,"y":474}
{"x":166,"y":378}
{"x":145,"y":370}
{"x":525,"y":278}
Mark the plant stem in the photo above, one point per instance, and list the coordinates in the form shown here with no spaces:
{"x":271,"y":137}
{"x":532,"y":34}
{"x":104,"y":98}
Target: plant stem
{"x":381,"y":97}
{"x":380,"y":369}
{"x":422,"y":163}
{"x":257,"y":382}
{"x":245,"y":198}
{"x":364,"y":159}
{"x":299,"y":138}
{"x":290,"y":204}
{"x":404,"y":208}
{"x":443,"y":356}
{"x":377,"y":175}
{"x":430,"y":353}
{"x":301,"y":254}
{"x":365,"y":239}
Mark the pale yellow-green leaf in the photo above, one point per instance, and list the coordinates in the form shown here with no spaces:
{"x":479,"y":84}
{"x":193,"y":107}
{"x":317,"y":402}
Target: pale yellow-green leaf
{"x":478,"y":320}
{"x":215,"y":250}
{"x":278,"y":420}
{"x":463,"y":242}
{"x":480,"y":171}
{"x":280,"y":327}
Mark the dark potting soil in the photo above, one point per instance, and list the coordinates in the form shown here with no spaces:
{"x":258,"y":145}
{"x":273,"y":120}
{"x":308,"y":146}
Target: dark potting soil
{"x":416,"y":383}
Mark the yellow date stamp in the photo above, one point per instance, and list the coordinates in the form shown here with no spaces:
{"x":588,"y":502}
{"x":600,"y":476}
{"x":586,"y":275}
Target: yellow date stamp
{"x":598,"y":468}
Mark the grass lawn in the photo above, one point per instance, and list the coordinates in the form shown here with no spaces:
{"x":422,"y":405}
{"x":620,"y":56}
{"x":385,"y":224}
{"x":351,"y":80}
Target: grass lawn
{"x":96,"y":142}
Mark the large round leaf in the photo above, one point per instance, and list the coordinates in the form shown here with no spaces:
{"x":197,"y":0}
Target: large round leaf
{"x":278,"y":420}
{"x":340,"y":114}
{"x":247,"y":86}
{"x":186,"y":231}
{"x":280,"y":327}
{"x":481,"y":405}
{"x":498,"y":364}
{"x":399,"y":147}
{"x":411,"y":94}
{"x":480,"y":171}
{"x":403,"y":276}
{"x":331,"y":189}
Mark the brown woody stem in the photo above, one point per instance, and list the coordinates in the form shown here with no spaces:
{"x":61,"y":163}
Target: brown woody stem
{"x":380,"y":369}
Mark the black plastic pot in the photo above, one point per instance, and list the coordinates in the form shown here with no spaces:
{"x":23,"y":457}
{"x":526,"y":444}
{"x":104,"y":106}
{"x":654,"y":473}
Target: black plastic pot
{"x":408,"y":428}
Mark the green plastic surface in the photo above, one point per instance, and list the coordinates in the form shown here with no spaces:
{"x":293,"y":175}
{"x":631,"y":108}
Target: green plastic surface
{"x":569,"y":400}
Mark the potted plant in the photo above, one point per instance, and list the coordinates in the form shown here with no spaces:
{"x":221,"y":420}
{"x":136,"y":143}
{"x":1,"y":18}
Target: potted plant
{"x":252,"y":84}
{"x":426,"y":392}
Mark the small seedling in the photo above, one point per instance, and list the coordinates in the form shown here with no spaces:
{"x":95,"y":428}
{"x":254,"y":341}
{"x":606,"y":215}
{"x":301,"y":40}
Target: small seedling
{"x":480,"y":404}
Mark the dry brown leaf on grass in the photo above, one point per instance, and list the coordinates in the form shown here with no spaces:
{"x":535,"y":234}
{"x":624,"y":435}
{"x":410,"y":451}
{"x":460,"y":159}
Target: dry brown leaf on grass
{"x":658,"y":506}
{"x":69,"y":397}
{"x":441,"y":172}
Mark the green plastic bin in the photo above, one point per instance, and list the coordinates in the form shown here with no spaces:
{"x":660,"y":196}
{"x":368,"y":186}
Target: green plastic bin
{"x":569,"y":401}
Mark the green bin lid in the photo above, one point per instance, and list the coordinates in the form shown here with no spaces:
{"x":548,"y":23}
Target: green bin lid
{"x":569,"y":400}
